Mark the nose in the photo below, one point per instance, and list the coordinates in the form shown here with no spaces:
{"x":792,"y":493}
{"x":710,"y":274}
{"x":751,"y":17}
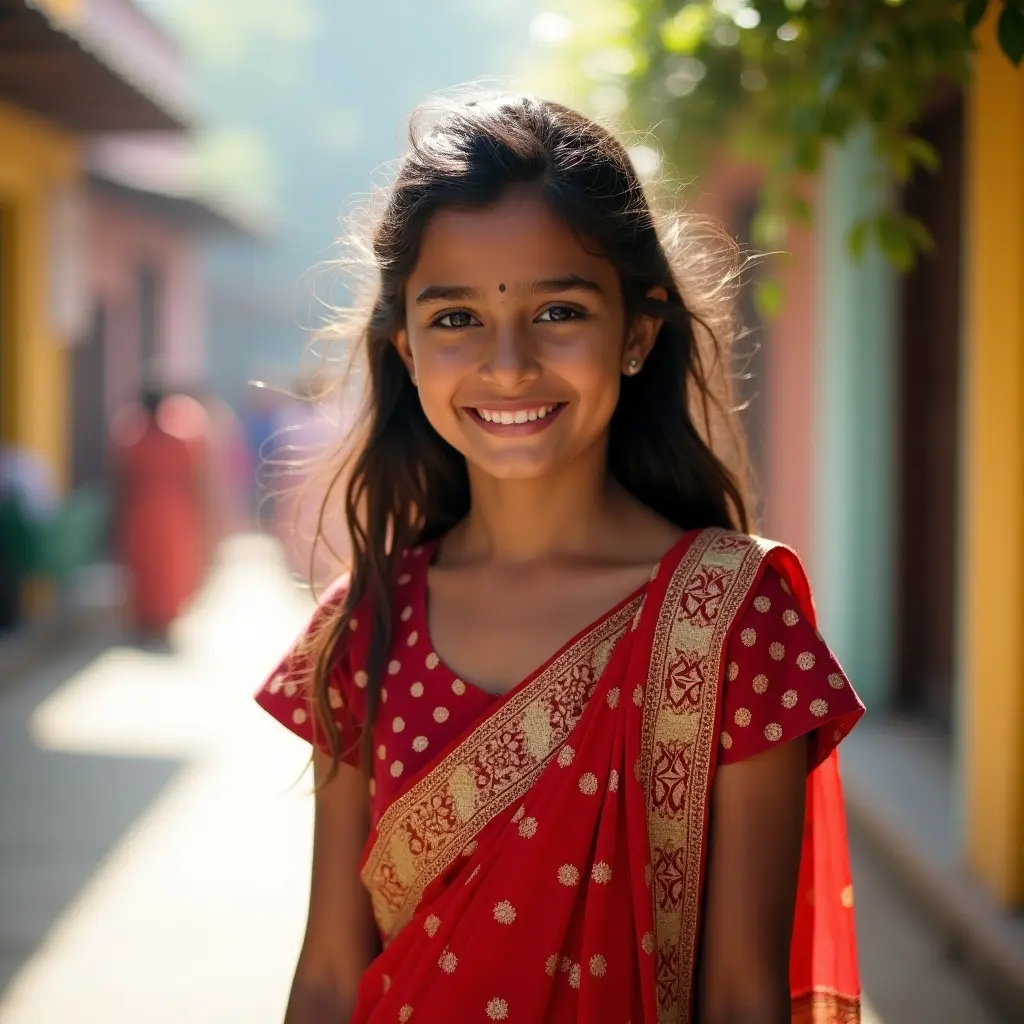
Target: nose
{"x":511,"y":358}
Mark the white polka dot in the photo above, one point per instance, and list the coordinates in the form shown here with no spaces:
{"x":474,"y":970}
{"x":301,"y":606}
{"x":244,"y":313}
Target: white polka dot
{"x":420,"y":743}
{"x":760,"y":684}
{"x":551,"y":964}
{"x":568,"y":875}
{"x":790,"y":617}
{"x":413,"y":637}
{"x":762,"y":604}
{"x":749,"y":637}
{"x":384,"y":695}
{"x":290,"y":689}
{"x":396,"y":769}
{"x":613,"y":697}
{"x":458,"y":687}
{"x":588,"y":784}
{"x":405,"y":1013}
{"x":742,"y":717}
{"x":416,"y":689}
{"x":275,"y":684}
{"x":497,"y":1009}
{"x":403,"y":579}
{"x":406,"y":613}
{"x":789,"y":699}
{"x":334,"y":697}
{"x":601,"y":872}
{"x":440,"y":714}
{"x":598,"y":966}
{"x":528,"y":828}
{"x":732,"y":671}
{"x":448,"y":962}
{"x":565,"y":756}
{"x":836,"y":681}
{"x":353,"y":624}
{"x":638,"y":696}
{"x":397,"y":724}
{"x":647,"y":943}
{"x":613,"y":781}
{"x":382,"y":752}
{"x":373,"y":787}
{"x":777,"y":651}
{"x":819,"y":708}
{"x":433,"y":661}
{"x":361,"y":679}
{"x":574,"y":976}
{"x":298,"y":716}
{"x":805,"y":661}
{"x":726,"y":740}
{"x":431,"y":924}
{"x":773,"y":732}
{"x":394,"y":667}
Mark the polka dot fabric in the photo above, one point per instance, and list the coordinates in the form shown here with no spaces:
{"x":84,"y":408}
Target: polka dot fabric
{"x":781,"y":681}
{"x":423,"y":707}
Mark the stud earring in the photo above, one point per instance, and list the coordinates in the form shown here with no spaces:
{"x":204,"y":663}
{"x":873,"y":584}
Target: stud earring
{"x":632,"y":366}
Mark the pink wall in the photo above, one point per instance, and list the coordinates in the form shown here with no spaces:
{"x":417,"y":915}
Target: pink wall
{"x":789,"y":350}
{"x":124,"y":237}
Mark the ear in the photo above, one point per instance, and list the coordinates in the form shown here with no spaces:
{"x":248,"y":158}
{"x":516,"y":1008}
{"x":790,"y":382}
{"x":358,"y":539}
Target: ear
{"x":641,"y":337}
{"x":401,"y":343}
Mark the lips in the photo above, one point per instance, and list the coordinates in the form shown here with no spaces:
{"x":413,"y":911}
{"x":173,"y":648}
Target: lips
{"x":515,"y":421}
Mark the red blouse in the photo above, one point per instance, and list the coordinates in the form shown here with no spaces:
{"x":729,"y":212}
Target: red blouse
{"x":782,"y":682}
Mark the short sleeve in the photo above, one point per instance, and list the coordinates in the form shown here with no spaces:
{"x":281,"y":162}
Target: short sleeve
{"x":781,"y":681}
{"x":286,"y":694}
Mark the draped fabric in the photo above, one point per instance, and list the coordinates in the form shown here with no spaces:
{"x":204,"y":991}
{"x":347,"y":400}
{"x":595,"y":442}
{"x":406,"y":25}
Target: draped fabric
{"x":540,"y":856}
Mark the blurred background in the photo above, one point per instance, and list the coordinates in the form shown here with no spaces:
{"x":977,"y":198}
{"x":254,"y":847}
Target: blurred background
{"x":173,"y":177}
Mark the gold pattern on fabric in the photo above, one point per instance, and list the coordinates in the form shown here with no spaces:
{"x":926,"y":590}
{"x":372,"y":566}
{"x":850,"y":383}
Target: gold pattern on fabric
{"x":423,"y":832}
{"x":825,"y":1007}
{"x":680,"y":729}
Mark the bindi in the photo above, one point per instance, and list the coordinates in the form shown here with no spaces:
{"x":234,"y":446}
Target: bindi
{"x":501,"y":287}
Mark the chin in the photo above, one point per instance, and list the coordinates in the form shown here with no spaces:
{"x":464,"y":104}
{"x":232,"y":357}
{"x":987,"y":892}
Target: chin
{"x":516,"y":465}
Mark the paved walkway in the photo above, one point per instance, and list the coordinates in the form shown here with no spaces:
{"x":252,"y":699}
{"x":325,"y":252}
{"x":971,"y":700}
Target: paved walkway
{"x":155,"y":835}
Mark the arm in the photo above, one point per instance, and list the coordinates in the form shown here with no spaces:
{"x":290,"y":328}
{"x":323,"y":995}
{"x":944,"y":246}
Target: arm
{"x":756,"y":830}
{"x":340,"y":940}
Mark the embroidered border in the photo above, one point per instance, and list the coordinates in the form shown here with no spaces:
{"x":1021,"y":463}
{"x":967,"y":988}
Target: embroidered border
{"x":701,"y":602}
{"x":826,"y":1007}
{"x":426,"y":828}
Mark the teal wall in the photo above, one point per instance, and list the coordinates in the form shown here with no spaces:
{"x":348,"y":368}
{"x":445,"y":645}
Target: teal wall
{"x":854,"y":444}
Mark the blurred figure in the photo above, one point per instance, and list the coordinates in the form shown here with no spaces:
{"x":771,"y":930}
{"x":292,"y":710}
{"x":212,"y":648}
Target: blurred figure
{"x":161,"y":458}
{"x":231,"y":470}
{"x":28,"y":494}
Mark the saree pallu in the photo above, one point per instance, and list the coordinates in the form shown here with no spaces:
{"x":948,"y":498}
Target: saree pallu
{"x":549,"y":865}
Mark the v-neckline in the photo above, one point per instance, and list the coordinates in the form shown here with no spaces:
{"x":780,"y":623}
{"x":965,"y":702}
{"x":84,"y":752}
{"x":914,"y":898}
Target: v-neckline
{"x":422,"y":613}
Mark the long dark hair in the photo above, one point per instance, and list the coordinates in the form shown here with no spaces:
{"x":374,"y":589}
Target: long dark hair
{"x":404,"y":485}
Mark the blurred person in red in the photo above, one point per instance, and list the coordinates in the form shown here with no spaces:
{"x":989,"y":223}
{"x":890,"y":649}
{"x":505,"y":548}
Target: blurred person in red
{"x":161,"y":453}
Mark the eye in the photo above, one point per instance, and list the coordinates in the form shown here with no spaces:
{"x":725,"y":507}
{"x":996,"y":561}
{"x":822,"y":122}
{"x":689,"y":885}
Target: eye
{"x":560,"y":314}
{"x":457,"y":320}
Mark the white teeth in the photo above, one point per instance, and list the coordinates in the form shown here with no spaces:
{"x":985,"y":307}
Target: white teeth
{"x":505,"y":416}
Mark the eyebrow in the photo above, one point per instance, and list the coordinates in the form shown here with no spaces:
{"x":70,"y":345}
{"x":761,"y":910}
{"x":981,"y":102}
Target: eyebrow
{"x":547,"y":286}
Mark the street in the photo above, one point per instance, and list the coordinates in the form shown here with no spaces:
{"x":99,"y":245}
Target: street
{"x":155,"y":834}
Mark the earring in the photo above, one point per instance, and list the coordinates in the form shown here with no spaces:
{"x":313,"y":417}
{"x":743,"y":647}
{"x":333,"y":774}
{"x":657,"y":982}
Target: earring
{"x":412,"y":377}
{"x":632,"y":366}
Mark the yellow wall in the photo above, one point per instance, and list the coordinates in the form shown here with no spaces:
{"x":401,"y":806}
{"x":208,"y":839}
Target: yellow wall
{"x":994,"y":476}
{"x":34,"y":159}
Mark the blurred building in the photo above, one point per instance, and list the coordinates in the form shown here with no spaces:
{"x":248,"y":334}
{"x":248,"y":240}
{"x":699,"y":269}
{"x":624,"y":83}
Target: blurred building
{"x":100,"y":218}
{"x":890,"y":447}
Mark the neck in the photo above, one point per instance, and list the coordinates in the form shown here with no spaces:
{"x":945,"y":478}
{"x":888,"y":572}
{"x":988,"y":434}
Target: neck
{"x":517,"y":521}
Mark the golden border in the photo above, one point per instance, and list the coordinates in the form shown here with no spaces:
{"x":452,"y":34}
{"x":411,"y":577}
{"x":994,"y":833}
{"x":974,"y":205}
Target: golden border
{"x":823,"y":1006}
{"x":703,"y":597}
{"x":426,"y":828}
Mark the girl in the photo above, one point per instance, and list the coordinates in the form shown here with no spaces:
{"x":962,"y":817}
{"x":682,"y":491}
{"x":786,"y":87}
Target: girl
{"x":573,"y":727}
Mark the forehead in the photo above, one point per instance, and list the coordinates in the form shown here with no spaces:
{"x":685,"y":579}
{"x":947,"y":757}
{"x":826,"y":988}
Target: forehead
{"x":519,"y":238}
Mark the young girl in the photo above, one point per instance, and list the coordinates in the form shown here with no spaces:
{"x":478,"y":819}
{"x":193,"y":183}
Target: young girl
{"x":574,"y":731}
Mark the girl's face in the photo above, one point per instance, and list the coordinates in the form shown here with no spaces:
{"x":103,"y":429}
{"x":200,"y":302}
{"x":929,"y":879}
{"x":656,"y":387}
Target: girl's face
{"x":516,"y":337}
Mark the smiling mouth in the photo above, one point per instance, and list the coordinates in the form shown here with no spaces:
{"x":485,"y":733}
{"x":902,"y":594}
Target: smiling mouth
{"x":527,"y":419}
{"x":507,"y":417}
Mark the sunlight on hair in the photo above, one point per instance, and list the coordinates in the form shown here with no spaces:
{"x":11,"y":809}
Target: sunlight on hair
{"x":550,"y":29}
{"x":646,"y":160}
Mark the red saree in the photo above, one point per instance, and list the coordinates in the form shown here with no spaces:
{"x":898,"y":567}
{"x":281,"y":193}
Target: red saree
{"x":547,"y":864}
